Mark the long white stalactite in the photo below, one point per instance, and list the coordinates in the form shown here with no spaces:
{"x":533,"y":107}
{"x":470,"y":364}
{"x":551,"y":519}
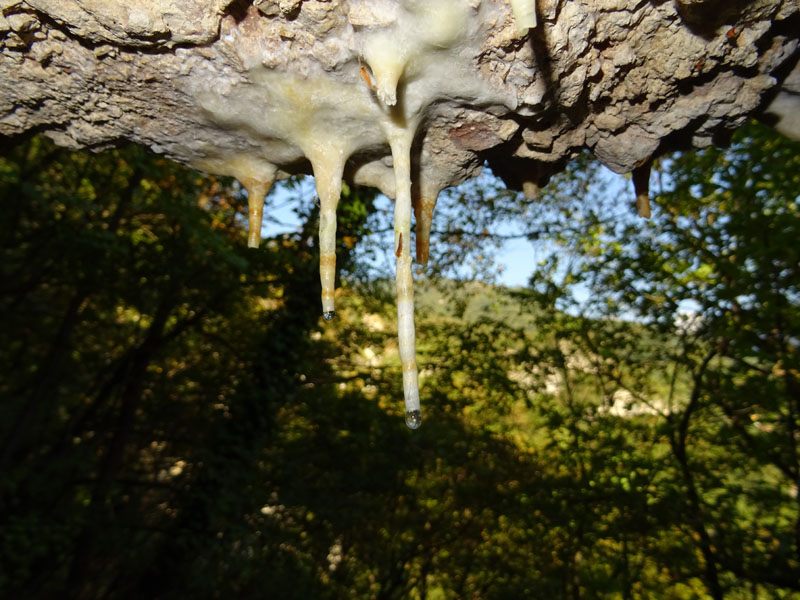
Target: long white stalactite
{"x":400,"y":140}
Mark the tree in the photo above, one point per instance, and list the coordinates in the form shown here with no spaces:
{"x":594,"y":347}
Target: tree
{"x":122,"y":273}
{"x":711,"y":283}
{"x":177,"y":421}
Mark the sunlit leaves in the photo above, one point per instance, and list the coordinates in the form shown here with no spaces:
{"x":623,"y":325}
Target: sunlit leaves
{"x":606,"y":450}
{"x":712,"y":285}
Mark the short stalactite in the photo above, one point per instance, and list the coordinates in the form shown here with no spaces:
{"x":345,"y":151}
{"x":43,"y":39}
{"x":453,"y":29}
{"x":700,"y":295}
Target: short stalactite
{"x":423,"y":213}
{"x":641,"y":186}
{"x":256,"y":192}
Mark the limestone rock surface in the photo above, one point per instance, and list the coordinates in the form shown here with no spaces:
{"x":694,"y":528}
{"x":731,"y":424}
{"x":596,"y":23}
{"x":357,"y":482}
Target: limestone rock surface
{"x":261,"y":89}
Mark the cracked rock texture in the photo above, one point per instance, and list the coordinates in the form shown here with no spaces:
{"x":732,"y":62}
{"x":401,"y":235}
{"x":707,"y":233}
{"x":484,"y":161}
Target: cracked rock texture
{"x":200,"y":80}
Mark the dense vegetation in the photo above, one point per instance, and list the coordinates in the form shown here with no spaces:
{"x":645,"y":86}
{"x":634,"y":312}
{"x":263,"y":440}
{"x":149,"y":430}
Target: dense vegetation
{"x":176,"y":421}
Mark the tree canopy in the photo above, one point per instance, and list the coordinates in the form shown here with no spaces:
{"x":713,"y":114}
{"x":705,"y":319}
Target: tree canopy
{"x":177,"y":421}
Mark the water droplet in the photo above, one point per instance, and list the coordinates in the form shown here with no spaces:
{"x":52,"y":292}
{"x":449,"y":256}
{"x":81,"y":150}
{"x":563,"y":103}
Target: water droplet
{"x":328,"y":315}
{"x":413,"y":419}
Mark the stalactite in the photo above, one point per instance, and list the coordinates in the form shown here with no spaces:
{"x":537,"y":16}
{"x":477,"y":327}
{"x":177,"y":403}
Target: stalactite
{"x":400,"y":140}
{"x":256,"y":192}
{"x":395,"y":82}
{"x":327,"y":162}
{"x":424,"y":204}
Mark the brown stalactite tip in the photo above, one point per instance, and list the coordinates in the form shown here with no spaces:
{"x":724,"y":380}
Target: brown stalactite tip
{"x":641,"y":186}
{"x":423,"y":250}
{"x":643,"y":206}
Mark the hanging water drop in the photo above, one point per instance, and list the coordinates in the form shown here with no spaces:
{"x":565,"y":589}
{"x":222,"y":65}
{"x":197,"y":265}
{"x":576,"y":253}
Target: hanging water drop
{"x":413,"y":419}
{"x":328,"y":315}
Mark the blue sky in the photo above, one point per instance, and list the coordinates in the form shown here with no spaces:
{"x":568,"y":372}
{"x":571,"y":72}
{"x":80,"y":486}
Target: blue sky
{"x":517,"y":257}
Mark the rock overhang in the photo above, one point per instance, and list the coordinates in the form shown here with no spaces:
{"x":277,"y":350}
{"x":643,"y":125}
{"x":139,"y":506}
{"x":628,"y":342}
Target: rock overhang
{"x":624,"y":80}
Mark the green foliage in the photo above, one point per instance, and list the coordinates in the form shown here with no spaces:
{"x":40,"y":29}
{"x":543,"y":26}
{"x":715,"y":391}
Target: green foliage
{"x":712,"y":282}
{"x":177,"y":422}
